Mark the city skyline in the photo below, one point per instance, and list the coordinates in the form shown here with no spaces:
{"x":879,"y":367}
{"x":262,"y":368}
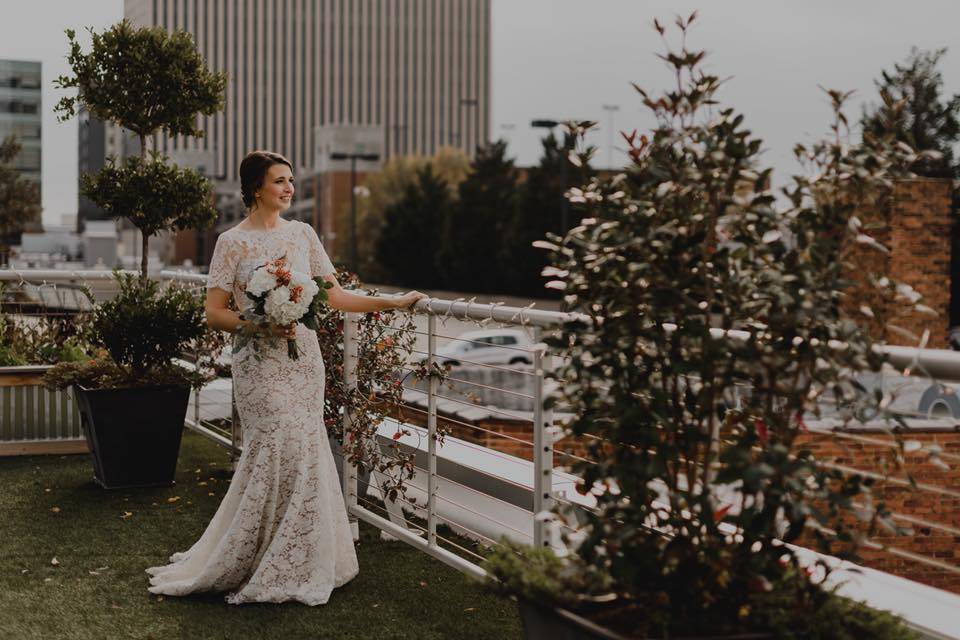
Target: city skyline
{"x":566,"y":58}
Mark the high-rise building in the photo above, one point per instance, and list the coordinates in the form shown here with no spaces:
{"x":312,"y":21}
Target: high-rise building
{"x":20,"y":116}
{"x":418,"y":69}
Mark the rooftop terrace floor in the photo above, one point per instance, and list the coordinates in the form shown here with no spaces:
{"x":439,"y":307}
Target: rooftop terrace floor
{"x":103,"y":540}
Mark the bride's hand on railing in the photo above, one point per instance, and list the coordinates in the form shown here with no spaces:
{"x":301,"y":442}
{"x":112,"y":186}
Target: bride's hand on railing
{"x":407,"y":300}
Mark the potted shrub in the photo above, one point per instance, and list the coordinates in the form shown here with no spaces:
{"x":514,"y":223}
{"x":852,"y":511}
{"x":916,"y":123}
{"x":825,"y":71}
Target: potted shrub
{"x":695,"y":282}
{"x":134,"y":401}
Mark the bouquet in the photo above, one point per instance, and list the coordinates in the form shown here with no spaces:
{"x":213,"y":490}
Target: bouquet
{"x":282,"y":296}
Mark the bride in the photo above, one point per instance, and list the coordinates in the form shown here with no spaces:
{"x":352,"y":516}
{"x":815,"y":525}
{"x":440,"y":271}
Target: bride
{"x":281,"y":532}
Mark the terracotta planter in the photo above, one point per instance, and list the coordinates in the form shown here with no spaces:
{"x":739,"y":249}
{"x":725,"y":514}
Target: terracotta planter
{"x":134,"y":434}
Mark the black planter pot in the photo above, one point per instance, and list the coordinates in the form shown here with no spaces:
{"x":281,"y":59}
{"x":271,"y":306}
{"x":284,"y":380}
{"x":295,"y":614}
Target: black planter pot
{"x":542,"y":622}
{"x":133,"y":434}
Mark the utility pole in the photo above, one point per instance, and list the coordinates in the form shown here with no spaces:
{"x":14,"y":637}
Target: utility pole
{"x":610,"y":109}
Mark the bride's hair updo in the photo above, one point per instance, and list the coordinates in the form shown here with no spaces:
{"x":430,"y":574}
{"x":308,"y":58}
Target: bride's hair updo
{"x":253,"y":171}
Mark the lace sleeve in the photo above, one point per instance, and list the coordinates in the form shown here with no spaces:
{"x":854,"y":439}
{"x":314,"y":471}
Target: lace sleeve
{"x":223,"y":264}
{"x":320,"y":264}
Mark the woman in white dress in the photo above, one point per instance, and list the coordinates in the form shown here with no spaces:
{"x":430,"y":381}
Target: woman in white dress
{"x":281,"y":532}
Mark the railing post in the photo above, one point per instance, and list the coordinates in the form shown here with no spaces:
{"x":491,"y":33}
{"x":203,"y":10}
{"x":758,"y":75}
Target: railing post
{"x":351,"y":356}
{"x":542,"y":450}
{"x":431,"y":433}
{"x":196,"y":392}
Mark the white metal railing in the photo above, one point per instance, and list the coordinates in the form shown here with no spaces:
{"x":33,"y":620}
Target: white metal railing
{"x":527,"y":488}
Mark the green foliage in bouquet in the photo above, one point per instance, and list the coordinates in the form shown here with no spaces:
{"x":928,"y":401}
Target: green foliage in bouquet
{"x":696,"y":285}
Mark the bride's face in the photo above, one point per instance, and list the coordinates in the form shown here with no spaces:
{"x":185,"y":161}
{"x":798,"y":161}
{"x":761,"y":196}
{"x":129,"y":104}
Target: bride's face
{"x":277,"y":190}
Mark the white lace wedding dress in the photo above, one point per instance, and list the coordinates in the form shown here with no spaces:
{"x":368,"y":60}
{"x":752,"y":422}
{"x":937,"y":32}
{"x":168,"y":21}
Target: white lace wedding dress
{"x":281,"y":531}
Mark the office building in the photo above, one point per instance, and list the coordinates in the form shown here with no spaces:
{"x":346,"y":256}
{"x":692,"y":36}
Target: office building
{"x":418,"y":69}
{"x":20,"y":116}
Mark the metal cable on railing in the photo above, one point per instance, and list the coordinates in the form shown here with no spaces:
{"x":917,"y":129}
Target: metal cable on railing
{"x":468,"y":425}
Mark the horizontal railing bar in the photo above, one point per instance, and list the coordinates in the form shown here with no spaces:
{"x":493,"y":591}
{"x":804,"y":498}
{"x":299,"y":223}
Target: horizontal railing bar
{"x":473,"y":362}
{"x":207,"y":433}
{"x":420,"y":543}
{"x":486,"y":386}
{"x":872,"y":441}
{"x":473,"y":426}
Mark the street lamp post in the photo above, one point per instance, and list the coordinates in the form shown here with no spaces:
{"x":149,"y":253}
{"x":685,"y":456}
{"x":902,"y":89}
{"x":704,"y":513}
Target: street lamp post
{"x":564,"y":205}
{"x":610,"y":109}
{"x":353,"y":157}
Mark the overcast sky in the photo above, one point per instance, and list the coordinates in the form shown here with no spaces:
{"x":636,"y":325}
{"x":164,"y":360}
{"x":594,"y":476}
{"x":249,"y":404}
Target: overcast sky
{"x":567,"y":58}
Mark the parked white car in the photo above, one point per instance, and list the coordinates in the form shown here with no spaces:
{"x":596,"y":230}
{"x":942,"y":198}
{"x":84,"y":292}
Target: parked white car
{"x":488,"y":346}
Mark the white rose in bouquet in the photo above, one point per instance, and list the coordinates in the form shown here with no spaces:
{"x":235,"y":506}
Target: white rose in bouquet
{"x":260,"y":282}
{"x":281,"y":309}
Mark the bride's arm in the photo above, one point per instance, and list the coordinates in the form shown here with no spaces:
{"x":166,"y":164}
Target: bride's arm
{"x":354,"y":303}
{"x":220,"y":316}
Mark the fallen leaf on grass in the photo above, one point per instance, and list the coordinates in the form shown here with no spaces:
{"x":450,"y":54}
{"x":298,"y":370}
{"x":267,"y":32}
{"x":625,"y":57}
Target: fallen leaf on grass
{"x":24,"y":570}
{"x":211,"y":493}
{"x":94,"y":573}
{"x":48,"y":579}
{"x":423,"y":583}
{"x":55,"y":509}
{"x":201,"y":484}
{"x":115,"y":606}
{"x":102,"y":568}
{"x":47,"y":490}
{"x":173,"y":499}
{"x":470,"y":609}
{"x":55,"y":562}
{"x":126,"y":514}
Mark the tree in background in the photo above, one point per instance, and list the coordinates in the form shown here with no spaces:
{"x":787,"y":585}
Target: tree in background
{"x":540,"y":212}
{"x":928,"y":120}
{"x":384,"y":190}
{"x":474,"y":227}
{"x":409,"y":240}
{"x":19,"y":197}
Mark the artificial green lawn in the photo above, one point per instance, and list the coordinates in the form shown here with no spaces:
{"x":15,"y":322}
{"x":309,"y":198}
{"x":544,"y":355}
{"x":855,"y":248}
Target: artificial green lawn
{"x":103,"y":541}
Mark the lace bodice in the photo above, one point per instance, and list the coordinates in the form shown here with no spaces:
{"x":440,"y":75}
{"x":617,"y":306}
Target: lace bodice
{"x":239,"y":251}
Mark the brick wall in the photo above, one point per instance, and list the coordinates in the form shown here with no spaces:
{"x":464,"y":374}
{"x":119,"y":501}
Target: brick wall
{"x":924,"y":505}
{"x":915,"y":225}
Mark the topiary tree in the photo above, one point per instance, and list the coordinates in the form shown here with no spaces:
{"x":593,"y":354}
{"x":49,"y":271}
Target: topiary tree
{"x":695,"y":286}
{"x":148,"y":81}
